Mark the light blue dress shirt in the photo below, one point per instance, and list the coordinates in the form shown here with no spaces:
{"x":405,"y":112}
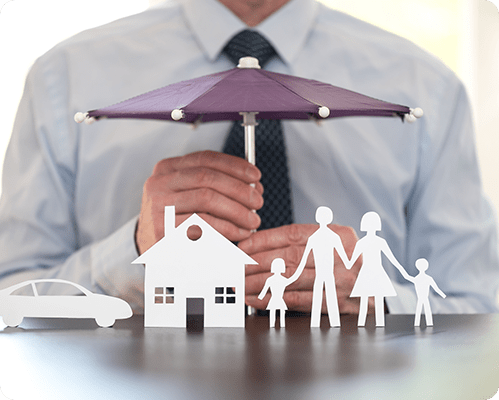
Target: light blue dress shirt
{"x":72,"y":192}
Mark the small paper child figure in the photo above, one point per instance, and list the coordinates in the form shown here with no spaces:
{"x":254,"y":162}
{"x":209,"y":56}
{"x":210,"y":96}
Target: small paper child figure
{"x":422,"y":283}
{"x":277,"y":284}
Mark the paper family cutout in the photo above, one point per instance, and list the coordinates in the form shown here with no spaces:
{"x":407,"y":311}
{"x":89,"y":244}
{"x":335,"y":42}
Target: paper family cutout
{"x":23,"y":300}
{"x":372,"y":280}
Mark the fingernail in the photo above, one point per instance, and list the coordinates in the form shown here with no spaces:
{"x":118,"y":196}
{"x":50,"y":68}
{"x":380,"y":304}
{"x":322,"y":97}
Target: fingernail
{"x":255,"y":220}
{"x":256,"y":199}
{"x":253,"y":173}
{"x":244,"y":233}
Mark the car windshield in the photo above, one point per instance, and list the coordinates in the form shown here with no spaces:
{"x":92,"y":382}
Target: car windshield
{"x":57,"y":289}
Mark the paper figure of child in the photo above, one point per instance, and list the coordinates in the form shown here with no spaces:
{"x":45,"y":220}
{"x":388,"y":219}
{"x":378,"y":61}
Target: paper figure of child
{"x":322,"y":243}
{"x":422,"y":283}
{"x":373,"y":279}
{"x":277,"y":284}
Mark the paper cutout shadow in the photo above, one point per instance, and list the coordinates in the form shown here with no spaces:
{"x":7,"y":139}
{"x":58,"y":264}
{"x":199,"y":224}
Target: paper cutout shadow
{"x":23,"y":300}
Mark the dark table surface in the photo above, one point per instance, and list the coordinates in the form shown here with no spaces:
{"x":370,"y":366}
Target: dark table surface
{"x":458,"y":358}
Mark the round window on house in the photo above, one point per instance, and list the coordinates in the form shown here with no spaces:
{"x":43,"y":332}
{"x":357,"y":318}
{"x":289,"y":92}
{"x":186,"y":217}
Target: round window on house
{"x":194,"y":232}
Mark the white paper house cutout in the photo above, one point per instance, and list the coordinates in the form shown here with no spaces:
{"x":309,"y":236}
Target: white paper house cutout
{"x":207,"y":273}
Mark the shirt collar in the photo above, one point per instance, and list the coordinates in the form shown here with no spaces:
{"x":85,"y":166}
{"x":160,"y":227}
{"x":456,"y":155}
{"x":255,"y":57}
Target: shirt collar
{"x":286,"y":29}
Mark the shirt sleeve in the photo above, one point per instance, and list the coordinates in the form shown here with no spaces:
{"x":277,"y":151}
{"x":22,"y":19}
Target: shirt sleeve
{"x":450,"y":223}
{"x":39,"y":236}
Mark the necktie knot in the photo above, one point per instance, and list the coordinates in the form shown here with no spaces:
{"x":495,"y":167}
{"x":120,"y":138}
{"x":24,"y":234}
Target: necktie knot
{"x":249,"y":43}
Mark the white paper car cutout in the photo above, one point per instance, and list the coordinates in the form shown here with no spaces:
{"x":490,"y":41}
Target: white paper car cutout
{"x":22,"y":300}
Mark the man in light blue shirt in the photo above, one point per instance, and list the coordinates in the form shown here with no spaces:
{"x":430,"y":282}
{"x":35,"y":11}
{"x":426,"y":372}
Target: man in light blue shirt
{"x":80,"y":201}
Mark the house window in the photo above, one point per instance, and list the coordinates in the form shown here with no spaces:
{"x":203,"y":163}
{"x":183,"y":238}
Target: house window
{"x":164,"y":295}
{"x":225,"y":295}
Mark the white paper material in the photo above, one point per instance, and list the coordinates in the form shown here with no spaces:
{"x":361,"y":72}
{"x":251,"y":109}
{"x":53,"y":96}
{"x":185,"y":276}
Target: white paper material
{"x":422,"y":283}
{"x":322,"y":243}
{"x":276,"y":284}
{"x":178,"y":269}
{"x":23,"y":300}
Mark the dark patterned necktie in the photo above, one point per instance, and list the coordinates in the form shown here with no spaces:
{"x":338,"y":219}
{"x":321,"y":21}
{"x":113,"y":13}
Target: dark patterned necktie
{"x":269,"y":140}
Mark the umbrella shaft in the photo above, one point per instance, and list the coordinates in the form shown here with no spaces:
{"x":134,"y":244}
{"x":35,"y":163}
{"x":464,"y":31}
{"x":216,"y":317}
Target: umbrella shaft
{"x":249,"y":123}
{"x":249,"y":141}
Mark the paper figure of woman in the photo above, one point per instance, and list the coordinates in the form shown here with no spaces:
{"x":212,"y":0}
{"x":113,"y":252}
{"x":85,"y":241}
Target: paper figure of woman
{"x":373,"y":281}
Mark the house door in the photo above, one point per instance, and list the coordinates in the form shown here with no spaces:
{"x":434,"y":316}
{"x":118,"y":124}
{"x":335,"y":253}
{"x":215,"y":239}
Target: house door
{"x":195,"y":313}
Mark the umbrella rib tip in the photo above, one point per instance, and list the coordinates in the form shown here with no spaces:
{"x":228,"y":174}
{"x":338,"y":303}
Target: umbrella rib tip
{"x":414,"y":114}
{"x":177,"y":114}
{"x":80,"y":117}
{"x":83,"y":117}
{"x":324,"y":112}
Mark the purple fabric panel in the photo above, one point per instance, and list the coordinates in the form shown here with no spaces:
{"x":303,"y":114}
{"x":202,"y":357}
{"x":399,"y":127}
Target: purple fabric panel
{"x":337,"y":99}
{"x":159,"y":103}
{"x":251,"y":91}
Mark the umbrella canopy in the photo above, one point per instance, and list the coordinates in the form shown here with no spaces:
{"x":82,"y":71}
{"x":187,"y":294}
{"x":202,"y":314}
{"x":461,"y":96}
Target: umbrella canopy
{"x":248,"y":89}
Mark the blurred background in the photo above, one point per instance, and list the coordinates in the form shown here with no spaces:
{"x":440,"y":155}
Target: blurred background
{"x":464,"y":34}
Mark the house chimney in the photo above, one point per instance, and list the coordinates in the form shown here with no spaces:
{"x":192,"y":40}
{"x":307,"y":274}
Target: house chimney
{"x":169,"y":220}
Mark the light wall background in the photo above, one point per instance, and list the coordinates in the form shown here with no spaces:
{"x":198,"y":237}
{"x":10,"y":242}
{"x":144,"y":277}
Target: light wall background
{"x":464,"y":34}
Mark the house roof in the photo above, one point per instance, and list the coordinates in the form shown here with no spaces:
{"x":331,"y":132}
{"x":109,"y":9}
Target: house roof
{"x":176,"y":245}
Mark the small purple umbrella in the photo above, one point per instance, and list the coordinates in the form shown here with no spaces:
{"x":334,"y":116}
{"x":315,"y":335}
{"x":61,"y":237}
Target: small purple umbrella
{"x":243,"y":92}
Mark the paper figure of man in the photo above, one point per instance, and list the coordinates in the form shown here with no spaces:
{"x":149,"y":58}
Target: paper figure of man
{"x":277,"y":284}
{"x":422,"y":283}
{"x":373,"y":281}
{"x":322,"y":244}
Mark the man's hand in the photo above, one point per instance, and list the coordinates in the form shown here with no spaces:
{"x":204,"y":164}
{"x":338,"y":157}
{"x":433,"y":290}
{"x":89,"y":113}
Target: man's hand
{"x":216,"y":186}
{"x":288,"y":242}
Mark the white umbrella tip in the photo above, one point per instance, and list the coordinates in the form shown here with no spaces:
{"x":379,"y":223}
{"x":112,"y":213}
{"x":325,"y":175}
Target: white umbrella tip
{"x":248,"y":62}
{"x":417,"y":112}
{"x":414,"y":114}
{"x":177,"y":114}
{"x":80,"y":117}
{"x":324,"y":112}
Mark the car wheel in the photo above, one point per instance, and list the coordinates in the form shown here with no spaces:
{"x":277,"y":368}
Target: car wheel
{"x":12,"y":320}
{"x":105,"y":322}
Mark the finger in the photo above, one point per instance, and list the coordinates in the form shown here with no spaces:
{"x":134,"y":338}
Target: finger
{"x":291,"y":255}
{"x":213,"y":203}
{"x":275,"y":238}
{"x":231,"y":165}
{"x":195,"y":178}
